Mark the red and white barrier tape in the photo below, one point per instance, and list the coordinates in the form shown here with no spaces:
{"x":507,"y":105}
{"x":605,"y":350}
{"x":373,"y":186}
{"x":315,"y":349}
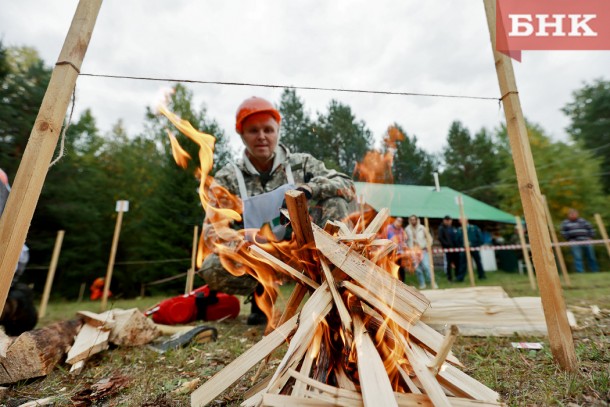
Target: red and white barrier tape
{"x":515,"y":246}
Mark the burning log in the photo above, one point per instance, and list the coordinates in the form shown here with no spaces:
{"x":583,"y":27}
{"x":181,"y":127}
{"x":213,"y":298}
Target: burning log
{"x":358,"y":339}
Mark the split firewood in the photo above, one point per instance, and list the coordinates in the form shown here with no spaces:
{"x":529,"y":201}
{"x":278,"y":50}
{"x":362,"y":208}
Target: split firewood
{"x":105,"y":319}
{"x":5,"y":342}
{"x":444,"y":350}
{"x":240,"y":366}
{"x":374,"y":381}
{"x":132,"y":328}
{"x":35,"y":353}
{"x":89,"y":341}
{"x":365,"y":238}
{"x":378,"y":281}
{"x":378,"y":221}
{"x":77,"y":368}
{"x":283,"y":267}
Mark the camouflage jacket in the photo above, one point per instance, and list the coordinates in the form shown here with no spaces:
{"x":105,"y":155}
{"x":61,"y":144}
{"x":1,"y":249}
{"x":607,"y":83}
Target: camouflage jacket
{"x":306,"y":169}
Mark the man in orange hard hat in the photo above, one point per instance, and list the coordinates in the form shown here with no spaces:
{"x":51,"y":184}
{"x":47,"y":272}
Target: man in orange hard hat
{"x":265,"y":172}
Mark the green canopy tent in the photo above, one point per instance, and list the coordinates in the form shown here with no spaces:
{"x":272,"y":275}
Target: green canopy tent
{"x":424,"y":201}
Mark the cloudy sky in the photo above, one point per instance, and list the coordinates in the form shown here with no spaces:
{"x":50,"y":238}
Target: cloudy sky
{"x":393,"y":45}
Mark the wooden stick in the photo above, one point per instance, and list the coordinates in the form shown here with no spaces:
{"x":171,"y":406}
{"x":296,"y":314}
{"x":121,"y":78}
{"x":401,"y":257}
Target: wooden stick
{"x":556,"y":247}
{"x":463,"y":221}
{"x":374,"y":381}
{"x":240,"y":366}
{"x":438,"y":361}
{"x":418,"y":360}
{"x":283,"y":267}
{"x":190,"y":277}
{"x":344,"y":315}
{"x":602,"y":231}
{"x":22,"y":200}
{"x":51,"y":274}
{"x":378,"y":222}
{"x":115,"y":242}
{"x":430,"y":255}
{"x":560,"y":335}
{"x":526,"y":253}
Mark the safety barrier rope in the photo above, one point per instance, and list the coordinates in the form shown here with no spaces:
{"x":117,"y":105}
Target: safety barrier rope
{"x":516,"y":246}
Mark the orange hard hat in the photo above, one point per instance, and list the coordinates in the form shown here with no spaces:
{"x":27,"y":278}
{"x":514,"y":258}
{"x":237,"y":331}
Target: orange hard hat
{"x":3,"y":177}
{"x":251,"y":106}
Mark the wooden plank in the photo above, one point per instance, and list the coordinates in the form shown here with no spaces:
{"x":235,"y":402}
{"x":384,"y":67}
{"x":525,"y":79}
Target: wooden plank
{"x":556,"y":247}
{"x":560,"y":335}
{"x":366,"y":273}
{"x":42,"y":311}
{"x":282,"y":267}
{"x":35,"y":353}
{"x":244,"y":362}
{"x":466,"y":293}
{"x":374,"y":381}
{"x":489,"y":317}
{"x":526,"y":253}
{"x":19,"y":209}
{"x":365,"y":238}
{"x":463,"y":385}
{"x":89,"y":341}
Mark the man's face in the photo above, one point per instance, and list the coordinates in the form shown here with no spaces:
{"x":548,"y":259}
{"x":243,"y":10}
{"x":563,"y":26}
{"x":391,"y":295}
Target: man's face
{"x":413,"y":221}
{"x":573,"y":215}
{"x":398,"y":222}
{"x":260,"y":136}
{"x":447,"y":222}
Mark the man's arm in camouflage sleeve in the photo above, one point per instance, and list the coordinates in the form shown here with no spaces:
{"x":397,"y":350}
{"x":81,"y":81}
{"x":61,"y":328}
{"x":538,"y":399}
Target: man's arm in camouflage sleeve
{"x":329,"y":183}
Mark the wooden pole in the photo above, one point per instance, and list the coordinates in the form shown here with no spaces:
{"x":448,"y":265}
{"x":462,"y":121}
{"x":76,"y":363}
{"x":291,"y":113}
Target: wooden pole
{"x":463,"y":221}
{"x":190,"y":277}
{"x":526,"y":253}
{"x":81,"y":292}
{"x":22,"y":200}
{"x":429,"y":248}
{"x":602,"y":231}
{"x":115,"y":242}
{"x":556,"y":247}
{"x":553,"y":304}
{"x":51,"y":274}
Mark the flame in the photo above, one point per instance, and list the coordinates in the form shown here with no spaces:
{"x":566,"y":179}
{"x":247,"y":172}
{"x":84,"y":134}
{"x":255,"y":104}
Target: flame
{"x":330,"y":350}
{"x":180,"y":155}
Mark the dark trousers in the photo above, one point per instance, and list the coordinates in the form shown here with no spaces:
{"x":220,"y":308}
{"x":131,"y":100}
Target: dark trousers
{"x":476,"y":256}
{"x":452,"y":265}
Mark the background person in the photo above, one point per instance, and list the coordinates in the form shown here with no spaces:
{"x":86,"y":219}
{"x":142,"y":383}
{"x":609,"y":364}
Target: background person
{"x":475,"y":239}
{"x":265,"y":172}
{"x":576,"y":229}
{"x":448,"y":236}
{"x":418,"y":238}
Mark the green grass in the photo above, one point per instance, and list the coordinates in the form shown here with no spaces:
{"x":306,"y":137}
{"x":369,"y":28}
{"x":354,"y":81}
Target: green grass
{"x":521,"y":377}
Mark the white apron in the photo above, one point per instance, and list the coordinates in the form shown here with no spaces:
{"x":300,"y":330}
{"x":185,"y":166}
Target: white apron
{"x":264,"y":208}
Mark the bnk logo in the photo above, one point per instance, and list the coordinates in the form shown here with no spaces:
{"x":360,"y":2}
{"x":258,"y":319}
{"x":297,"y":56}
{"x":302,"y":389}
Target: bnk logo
{"x":552,"y":25}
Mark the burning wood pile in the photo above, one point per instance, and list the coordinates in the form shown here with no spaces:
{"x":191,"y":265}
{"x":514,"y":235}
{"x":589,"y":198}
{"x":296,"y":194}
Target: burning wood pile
{"x":358,"y":339}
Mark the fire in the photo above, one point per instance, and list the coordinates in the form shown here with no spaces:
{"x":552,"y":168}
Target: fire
{"x":334,"y":347}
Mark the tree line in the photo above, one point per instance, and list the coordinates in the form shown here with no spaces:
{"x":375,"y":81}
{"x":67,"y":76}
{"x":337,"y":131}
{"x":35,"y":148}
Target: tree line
{"x":98,"y":169}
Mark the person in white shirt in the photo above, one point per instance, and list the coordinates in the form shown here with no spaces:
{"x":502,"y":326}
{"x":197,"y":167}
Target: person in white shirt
{"x":417,"y":238}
